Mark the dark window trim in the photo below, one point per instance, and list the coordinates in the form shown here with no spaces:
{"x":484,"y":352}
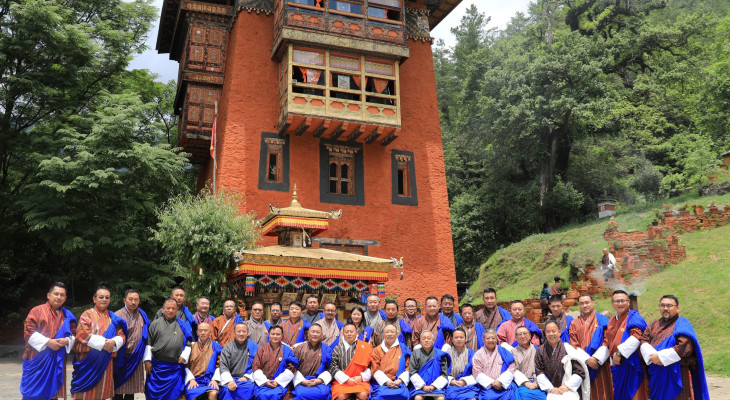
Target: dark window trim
{"x":357,"y":199}
{"x":411,"y":200}
{"x":264,"y":184}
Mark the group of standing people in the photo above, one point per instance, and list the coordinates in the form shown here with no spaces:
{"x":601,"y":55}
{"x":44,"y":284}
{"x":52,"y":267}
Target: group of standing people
{"x":376,"y":354}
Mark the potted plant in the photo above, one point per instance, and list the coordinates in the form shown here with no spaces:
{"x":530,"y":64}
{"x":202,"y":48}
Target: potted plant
{"x":667,"y":209}
{"x":684,"y":210}
{"x":699,"y":209}
{"x":713,"y":207}
{"x":612,"y":225}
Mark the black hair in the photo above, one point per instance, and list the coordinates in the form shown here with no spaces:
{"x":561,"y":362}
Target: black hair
{"x":202,"y":298}
{"x":130,"y":291}
{"x":558,"y":279}
{"x":349,"y":322}
{"x":362,"y":312}
{"x":555,"y":298}
{"x":391,"y":302}
{"x":311,"y":296}
{"x":545,"y":285}
{"x":465,"y":305}
{"x":431,"y":298}
{"x":585,"y":295}
{"x":101,"y":287}
{"x":276,"y":303}
{"x":297,"y":304}
{"x":544,"y":332}
{"x":489,"y":290}
{"x":516,"y":302}
{"x":257,"y":302}
{"x":57,"y":285}
{"x":447,"y":297}
{"x":619,"y":291}
{"x":670,"y":296}
{"x":459,"y":329}
{"x":176,"y":288}
{"x":168,"y":299}
{"x":276,"y":327}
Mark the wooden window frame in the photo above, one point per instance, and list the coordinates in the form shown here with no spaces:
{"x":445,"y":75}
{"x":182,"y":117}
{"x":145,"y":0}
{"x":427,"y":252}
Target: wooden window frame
{"x":402,"y":160}
{"x":350,"y":154}
{"x":271,"y":143}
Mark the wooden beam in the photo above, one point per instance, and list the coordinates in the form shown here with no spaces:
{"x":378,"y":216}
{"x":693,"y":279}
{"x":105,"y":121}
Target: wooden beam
{"x":303,"y":126}
{"x":374,"y":135}
{"x":390,"y":137}
{"x":320,"y":129}
{"x":285,"y":126}
{"x":355,"y":134}
{"x":339,"y":130}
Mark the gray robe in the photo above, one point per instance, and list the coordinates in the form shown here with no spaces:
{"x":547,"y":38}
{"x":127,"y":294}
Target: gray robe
{"x":373,"y":320}
{"x":234,"y":358}
{"x":419,"y":357}
{"x":311,"y":318}
{"x":166,"y":339}
{"x":257,"y":331}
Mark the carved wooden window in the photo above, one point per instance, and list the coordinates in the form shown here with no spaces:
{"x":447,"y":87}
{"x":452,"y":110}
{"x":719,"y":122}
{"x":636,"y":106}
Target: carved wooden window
{"x":274,"y":159}
{"x":404,"y":187}
{"x":388,"y":11}
{"x":345,"y":7}
{"x":341,"y":170}
{"x":403,"y":175}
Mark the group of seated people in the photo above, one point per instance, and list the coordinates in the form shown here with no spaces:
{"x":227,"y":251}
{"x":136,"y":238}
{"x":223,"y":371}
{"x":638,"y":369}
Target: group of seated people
{"x":378,"y":354}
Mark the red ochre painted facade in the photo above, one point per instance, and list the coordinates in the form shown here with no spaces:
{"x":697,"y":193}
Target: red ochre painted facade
{"x":248,"y":105}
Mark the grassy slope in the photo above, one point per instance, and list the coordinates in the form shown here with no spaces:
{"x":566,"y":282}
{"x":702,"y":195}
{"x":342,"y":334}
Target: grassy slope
{"x":701,"y":281}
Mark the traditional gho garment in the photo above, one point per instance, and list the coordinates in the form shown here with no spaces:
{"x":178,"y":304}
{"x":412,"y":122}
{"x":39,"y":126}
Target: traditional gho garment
{"x":44,"y":370}
{"x":489,"y":366}
{"x":202,"y":368}
{"x":560,"y":366}
{"x":506,"y":332}
{"x":236,"y":362}
{"x":474,"y":335}
{"x":556,"y":290}
{"x":258,"y":331}
{"x":93,"y":376}
{"x":294,"y":332}
{"x":525,"y":372}
{"x":200,"y":319}
{"x":373,"y":320}
{"x":404,"y":330}
{"x":128,"y":368}
{"x":440,"y":327}
{"x":169,"y":340}
{"x":312,"y":318}
{"x":273,"y":363}
{"x":412,"y":321}
{"x":275,"y":323}
{"x":563,"y":322}
{"x":222,"y":330}
{"x":586,"y":336}
{"x":313,"y":364}
{"x":330,"y":331}
{"x":461,"y":368}
{"x":491,"y":318}
{"x":455,"y":318}
{"x":683,"y":373}
{"x":364,"y":332}
{"x":390,"y":363}
{"x":623,"y":335}
{"x":183,"y":313}
{"x":430,"y":368}
{"x":348,"y":361}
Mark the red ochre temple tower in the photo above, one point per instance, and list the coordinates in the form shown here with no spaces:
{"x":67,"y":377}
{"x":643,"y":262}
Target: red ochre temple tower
{"x":335,"y":96}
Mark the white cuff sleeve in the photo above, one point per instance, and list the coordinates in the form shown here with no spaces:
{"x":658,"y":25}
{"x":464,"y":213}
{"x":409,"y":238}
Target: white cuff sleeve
{"x":326,"y":377}
{"x":284,"y":378}
{"x":520,"y":378}
{"x":581,"y":354}
{"x":446,"y":347}
{"x":147,"y":353}
{"x":404,"y":377}
{"x":188,"y":376}
{"x":416,"y":347}
{"x":249,"y":376}
{"x":70,"y":344}
{"x":470,"y":381}
{"x":505,"y":378}
{"x":601,"y":354}
{"x":186,"y":353}
{"x":574,"y":382}
{"x":96,"y":342}
{"x":217,"y":375}
{"x":417,"y":381}
{"x":366,"y":375}
{"x":226,"y":377}
{"x":341,"y":377}
{"x":485,"y":381}
{"x":506,"y":346}
{"x":299,"y":378}
{"x":118,"y":343}
{"x":628,"y":347}
{"x":668,"y":356}
{"x":38,"y":341}
{"x":440,"y":382}
{"x":544,"y":383}
{"x":259,"y":377}
{"x":380,"y":377}
{"x":646,"y":351}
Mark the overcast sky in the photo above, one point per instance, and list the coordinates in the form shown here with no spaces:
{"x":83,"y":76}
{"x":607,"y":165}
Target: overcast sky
{"x":500,"y":11}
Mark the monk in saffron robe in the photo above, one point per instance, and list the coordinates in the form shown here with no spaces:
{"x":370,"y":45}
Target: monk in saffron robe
{"x":312,"y":381}
{"x":350,"y":366}
{"x":474,"y":330}
{"x":99,"y":335}
{"x":462,"y":386}
{"x":622,"y":340}
{"x":390,"y":316}
{"x":236,"y":366}
{"x":560,"y":372}
{"x":129,"y":369}
{"x":48,"y":332}
{"x":274,"y":367}
{"x":223,"y":331}
{"x":168,"y":350}
{"x":491,"y":315}
{"x":295,"y":328}
{"x":439,"y":326}
{"x":493,"y":368}
{"x":506,"y":329}
{"x":586,"y":336}
{"x":258,"y":329}
{"x":525,"y":378}
{"x":429,"y":369}
{"x":200,"y":375}
{"x":672,"y":353}
{"x":559,"y":317}
{"x":390,"y":367}
{"x":330,"y":325}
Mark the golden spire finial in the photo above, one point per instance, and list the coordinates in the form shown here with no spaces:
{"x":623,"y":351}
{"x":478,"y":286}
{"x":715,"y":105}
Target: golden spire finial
{"x":294,"y":202}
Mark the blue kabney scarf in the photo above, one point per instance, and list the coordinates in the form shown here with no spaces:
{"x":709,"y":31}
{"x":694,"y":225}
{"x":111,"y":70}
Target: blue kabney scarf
{"x":124,"y":366}
{"x":167,"y":380}
{"x":627,"y":376}
{"x":43,"y":374}
{"x":204,"y":380}
{"x":431,"y":370}
{"x":89,"y":371}
{"x":596,"y":342}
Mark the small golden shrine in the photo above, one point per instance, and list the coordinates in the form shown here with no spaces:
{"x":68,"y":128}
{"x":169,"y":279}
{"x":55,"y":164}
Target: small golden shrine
{"x":293,"y":266}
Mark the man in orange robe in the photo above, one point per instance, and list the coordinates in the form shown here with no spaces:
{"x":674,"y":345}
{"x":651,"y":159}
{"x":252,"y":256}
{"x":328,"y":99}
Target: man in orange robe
{"x":586,"y":335}
{"x":350,"y":366}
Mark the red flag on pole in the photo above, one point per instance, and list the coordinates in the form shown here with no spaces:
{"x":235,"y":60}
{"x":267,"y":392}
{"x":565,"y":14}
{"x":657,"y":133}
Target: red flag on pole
{"x":212,"y":140}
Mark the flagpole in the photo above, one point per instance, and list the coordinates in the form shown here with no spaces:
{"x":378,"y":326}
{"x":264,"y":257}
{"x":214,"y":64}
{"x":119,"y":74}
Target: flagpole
{"x":215,"y":144}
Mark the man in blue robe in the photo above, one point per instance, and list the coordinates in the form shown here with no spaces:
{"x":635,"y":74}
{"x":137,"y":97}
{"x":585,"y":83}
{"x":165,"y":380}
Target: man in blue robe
{"x":462,"y":385}
{"x":201,"y":375}
{"x":168,"y":349}
{"x":429,"y":369}
{"x":447,"y":310}
{"x":439,"y":326}
{"x":493,"y":368}
{"x":390,"y":316}
{"x":312,"y":380}
{"x":183,"y":312}
{"x":559,"y":317}
{"x":236,"y":366}
{"x":273,"y":367}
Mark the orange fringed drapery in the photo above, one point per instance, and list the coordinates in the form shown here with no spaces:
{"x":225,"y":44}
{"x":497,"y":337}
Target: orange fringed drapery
{"x":310,"y":75}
